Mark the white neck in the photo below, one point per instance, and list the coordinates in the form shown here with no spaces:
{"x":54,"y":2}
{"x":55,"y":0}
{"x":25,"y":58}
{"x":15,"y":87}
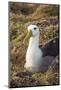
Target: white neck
{"x":34,"y":41}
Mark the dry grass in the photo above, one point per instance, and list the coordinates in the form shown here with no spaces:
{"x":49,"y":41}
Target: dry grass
{"x":48,"y":22}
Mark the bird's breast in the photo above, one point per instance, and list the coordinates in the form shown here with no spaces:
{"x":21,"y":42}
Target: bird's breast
{"x":33,"y":56}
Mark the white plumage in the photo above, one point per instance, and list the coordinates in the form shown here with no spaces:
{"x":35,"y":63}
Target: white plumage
{"x":39,"y":58}
{"x":34,"y":53}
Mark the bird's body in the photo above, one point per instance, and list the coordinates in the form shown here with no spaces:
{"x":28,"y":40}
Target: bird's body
{"x":34,"y":54}
{"x":35,"y":61}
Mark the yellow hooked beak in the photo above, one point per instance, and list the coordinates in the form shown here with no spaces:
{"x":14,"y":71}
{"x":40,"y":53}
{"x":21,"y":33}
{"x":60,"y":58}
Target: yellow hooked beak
{"x":29,"y":34}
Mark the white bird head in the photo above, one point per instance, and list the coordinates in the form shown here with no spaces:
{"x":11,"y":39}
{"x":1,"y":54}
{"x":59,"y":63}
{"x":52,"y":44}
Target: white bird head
{"x":33,"y":31}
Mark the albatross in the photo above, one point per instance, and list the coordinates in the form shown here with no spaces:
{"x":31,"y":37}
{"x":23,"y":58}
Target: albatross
{"x":37,"y":58}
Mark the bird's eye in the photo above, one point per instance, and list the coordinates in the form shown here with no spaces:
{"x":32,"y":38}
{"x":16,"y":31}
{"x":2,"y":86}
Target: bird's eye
{"x":34,"y":28}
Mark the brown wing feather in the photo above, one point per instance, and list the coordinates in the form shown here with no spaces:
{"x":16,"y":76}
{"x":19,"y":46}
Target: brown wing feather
{"x":51,"y":48}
